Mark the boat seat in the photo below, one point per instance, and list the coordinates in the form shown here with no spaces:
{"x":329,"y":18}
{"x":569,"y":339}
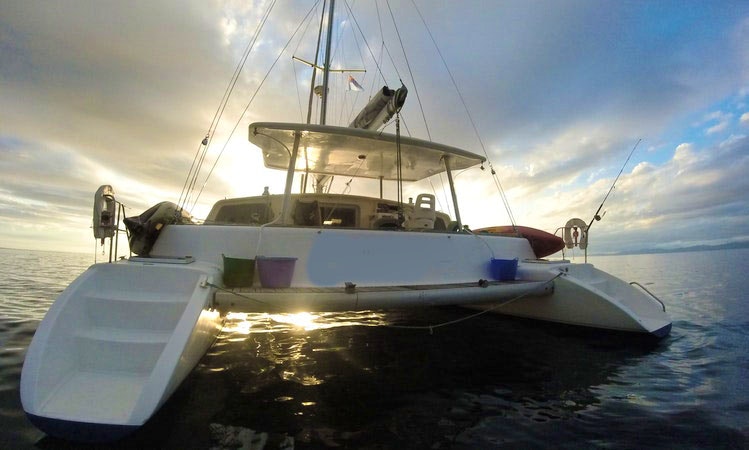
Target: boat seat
{"x":423,"y":215}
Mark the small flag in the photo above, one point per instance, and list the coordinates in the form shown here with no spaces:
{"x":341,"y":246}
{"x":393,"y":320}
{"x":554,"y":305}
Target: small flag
{"x":353,"y":85}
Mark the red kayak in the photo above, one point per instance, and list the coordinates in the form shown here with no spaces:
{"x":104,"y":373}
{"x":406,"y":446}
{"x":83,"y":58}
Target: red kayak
{"x":542,"y":243}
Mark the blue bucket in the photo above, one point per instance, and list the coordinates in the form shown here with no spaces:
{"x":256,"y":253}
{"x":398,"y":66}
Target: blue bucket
{"x":503,"y":269}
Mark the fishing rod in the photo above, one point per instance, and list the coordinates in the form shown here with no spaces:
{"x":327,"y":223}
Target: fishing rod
{"x":596,"y":216}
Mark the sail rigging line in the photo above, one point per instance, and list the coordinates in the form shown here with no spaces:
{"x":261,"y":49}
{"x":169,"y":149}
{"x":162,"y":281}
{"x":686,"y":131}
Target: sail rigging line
{"x":366,"y":43}
{"x":298,"y":93}
{"x":399,"y":168}
{"x":410,"y":72}
{"x":497,"y":183}
{"x":190,"y":182}
{"x":416,"y":89}
{"x":249,"y":103}
{"x":345,"y":191}
{"x":437,"y":197}
{"x":382,"y":48}
{"x":352,"y":110}
{"x":596,"y":216}
{"x":296,"y":79}
{"x":180,"y":203}
{"x":335,"y":49}
{"x":378,"y":62}
{"x":442,"y":180}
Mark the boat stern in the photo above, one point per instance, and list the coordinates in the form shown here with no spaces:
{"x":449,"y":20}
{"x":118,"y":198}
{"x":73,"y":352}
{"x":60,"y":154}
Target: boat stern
{"x":586,"y":296}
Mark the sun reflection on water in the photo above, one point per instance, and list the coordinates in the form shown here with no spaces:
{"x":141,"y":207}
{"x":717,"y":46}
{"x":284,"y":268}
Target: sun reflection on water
{"x":246,"y":323}
{"x":293,"y":347}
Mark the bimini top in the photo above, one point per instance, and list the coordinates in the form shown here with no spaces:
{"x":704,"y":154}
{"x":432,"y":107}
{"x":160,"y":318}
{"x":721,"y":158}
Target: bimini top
{"x":354,"y":152}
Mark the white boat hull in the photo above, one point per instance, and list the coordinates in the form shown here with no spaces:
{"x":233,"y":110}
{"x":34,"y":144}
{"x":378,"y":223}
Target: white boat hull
{"x":586,"y":296}
{"x":121,"y":338}
{"x":393,"y":269}
{"x":115,"y":345}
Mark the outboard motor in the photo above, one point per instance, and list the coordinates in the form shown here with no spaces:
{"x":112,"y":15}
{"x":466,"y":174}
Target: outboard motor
{"x":145,"y":228}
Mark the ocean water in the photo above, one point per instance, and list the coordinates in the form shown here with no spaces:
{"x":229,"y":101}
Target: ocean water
{"x":356,"y":380}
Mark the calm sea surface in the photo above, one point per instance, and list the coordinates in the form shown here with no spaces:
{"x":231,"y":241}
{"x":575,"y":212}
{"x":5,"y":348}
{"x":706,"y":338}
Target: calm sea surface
{"x":355,"y":381}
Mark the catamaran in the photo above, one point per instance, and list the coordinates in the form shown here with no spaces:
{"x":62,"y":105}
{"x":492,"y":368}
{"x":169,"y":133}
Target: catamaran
{"x":121,"y":338}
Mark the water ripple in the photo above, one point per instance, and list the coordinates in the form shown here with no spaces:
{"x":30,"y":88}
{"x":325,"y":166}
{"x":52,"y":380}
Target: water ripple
{"x":348,"y":380}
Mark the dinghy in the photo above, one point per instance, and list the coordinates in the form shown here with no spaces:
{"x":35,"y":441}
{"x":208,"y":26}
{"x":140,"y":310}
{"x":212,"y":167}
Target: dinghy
{"x":119,"y":340}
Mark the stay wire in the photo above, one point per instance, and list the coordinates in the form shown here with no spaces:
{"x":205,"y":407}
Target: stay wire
{"x":410,"y":72}
{"x":382,"y":50}
{"x":189,"y":187}
{"x":249,"y":103}
{"x":498,"y":184}
{"x":293,"y":66}
{"x":364,"y":38}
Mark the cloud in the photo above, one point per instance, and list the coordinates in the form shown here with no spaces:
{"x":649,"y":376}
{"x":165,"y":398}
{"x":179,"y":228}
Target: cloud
{"x":719,"y":122}
{"x":559,"y":93}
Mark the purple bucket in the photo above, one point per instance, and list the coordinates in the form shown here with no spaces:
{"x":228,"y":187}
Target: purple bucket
{"x":275,"y":271}
{"x":503,"y":269}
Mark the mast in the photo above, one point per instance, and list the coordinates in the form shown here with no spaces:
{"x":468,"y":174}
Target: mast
{"x":322,"y":179}
{"x":314,"y":66}
{"x":326,"y":67}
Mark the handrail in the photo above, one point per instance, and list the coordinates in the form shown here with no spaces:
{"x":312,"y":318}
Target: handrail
{"x":651,"y":294}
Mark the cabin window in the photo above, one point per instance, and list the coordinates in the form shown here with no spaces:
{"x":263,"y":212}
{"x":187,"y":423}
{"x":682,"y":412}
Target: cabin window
{"x":307,"y":214}
{"x":244,"y":214}
{"x":339,"y":215}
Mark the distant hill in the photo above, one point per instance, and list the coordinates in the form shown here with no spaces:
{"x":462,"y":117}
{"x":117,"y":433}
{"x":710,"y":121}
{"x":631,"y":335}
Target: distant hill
{"x":696,"y":248}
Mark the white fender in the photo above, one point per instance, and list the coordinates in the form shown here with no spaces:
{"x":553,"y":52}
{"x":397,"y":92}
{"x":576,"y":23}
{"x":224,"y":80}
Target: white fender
{"x":569,"y":240}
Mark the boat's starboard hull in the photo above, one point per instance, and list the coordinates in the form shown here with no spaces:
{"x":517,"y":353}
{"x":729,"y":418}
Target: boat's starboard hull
{"x":586,"y":296}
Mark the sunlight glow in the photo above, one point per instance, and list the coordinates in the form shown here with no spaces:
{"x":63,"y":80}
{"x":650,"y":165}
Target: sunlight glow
{"x":257,"y":323}
{"x":303,"y":320}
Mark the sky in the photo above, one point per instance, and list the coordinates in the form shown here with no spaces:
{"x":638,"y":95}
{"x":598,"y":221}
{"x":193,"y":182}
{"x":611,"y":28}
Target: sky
{"x":556,"y":93}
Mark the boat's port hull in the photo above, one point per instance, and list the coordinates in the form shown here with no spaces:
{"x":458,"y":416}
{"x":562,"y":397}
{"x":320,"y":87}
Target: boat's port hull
{"x":81,"y":431}
{"x":115,"y":345}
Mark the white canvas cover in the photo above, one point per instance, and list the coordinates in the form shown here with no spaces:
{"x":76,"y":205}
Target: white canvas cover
{"x":343,"y":151}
